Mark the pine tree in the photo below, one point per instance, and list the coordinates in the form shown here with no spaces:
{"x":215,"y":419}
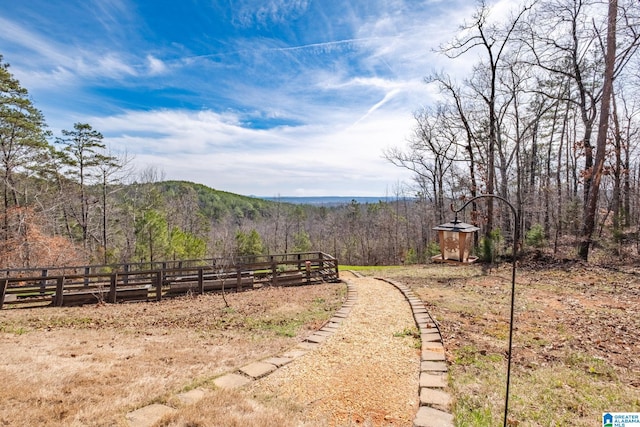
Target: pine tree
{"x":23,"y":144}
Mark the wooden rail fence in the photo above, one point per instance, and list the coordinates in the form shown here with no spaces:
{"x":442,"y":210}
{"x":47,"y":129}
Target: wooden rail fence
{"x":67,"y":286}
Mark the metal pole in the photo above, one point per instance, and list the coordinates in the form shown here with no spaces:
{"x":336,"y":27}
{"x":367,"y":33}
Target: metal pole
{"x":513,"y":286}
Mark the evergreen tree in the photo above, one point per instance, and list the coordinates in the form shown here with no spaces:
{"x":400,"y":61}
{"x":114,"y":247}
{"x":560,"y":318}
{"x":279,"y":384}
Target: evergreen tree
{"x":152,"y":236}
{"x":301,"y":242}
{"x":23,"y":144}
{"x":249,"y":244}
{"x":84,"y":154}
{"x":184,"y":245}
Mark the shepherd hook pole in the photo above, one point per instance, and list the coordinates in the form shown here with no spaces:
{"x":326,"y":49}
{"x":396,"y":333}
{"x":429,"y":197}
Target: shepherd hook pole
{"x":513,"y":285}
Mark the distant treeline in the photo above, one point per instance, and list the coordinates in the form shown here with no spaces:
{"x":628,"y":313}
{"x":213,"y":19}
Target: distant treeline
{"x":328,"y":200}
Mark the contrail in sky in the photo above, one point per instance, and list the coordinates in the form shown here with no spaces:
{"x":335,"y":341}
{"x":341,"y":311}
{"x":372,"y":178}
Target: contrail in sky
{"x":289,"y":48}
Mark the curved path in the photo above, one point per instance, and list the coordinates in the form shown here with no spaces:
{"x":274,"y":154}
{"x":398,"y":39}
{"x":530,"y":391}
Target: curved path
{"x":378,"y":362}
{"x":373,"y":369}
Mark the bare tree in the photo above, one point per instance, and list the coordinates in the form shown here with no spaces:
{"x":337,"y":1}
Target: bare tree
{"x":566,"y":39}
{"x":430,"y":155}
{"x":469,"y":142}
{"x":493,"y":41}
{"x":589,"y":215}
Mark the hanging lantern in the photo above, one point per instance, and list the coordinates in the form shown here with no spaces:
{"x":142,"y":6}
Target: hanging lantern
{"x":455,"y":242}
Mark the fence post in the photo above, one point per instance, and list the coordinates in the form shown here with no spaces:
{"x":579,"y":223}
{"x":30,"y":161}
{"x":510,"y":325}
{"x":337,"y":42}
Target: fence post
{"x":112,"y":288}
{"x":201,"y":280}
{"x":274,"y":272}
{"x":238,"y":280}
{"x":164,"y":272}
{"x":158,"y":285}
{"x":125,"y":279}
{"x":87,"y":271}
{"x":3,"y":290}
{"x":308,"y":268}
{"x":59,"y":291}
{"x":43,"y":282}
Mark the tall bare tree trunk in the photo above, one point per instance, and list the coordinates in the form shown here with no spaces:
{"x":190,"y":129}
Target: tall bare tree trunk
{"x":591,"y":205}
{"x":616,"y":202}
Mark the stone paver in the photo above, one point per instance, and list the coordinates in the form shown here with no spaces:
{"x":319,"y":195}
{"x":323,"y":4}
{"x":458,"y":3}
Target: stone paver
{"x":279,"y":361}
{"x":316,"y":338}
{"x":258,"y":369}
{"x":148,"y":416}
{"x":308,"y":345}
{"x":434,"y":336}
{"x":294,"y":354}
{"x":231,"y":381}
{"x":430,"y":417}
{"x":435,"y":398}
{"x":429,"y":366}
{"x":433,"y":380}
{"x":433,"y":356}
{"x":432,"y":346}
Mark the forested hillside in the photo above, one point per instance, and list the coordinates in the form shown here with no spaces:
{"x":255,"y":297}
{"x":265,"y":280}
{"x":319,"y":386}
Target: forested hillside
{"x":548,"y":119}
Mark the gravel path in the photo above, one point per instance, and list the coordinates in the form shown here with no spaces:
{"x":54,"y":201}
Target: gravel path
{"x":366,"y":374}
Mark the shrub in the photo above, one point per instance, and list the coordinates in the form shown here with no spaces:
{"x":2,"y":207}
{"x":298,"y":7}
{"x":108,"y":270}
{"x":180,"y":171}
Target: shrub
{"x":411,"y":257}
{"x":433,"y":249}
{"x":535,"y":236}
{"x":490,"y":245}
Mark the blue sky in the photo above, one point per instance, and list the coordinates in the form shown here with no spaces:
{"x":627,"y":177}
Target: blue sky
{"x":256,"y":97}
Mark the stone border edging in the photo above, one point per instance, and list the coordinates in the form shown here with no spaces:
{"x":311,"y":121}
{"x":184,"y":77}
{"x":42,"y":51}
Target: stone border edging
{"x":148,"y":415}
{"x":435,"y":401}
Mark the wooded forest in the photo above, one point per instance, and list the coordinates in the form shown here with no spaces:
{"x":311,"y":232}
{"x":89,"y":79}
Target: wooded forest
{"x":547,"y":119}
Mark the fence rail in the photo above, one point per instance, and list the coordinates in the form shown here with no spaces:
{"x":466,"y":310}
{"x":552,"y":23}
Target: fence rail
{"x":64,"y":286}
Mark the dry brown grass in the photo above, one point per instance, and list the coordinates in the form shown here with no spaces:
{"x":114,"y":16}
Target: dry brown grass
{"x":91,"y":365}
{"x":232,"y":408}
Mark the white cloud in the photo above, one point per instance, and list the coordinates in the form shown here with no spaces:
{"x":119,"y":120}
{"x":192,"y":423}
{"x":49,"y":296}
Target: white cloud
{"x":48,"y":61}
{"x":110,"y":13}
{"x":156,"y":66}
{"x":110,"y":65}
{"x":306,"y":160}
{"x":263,"y":12}
{"x":19,"y":36}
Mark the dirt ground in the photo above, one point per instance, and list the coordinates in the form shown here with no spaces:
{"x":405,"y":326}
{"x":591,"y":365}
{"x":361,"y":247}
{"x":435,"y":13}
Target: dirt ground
{"x":91,"y":365}
{"x":576,"y":340}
